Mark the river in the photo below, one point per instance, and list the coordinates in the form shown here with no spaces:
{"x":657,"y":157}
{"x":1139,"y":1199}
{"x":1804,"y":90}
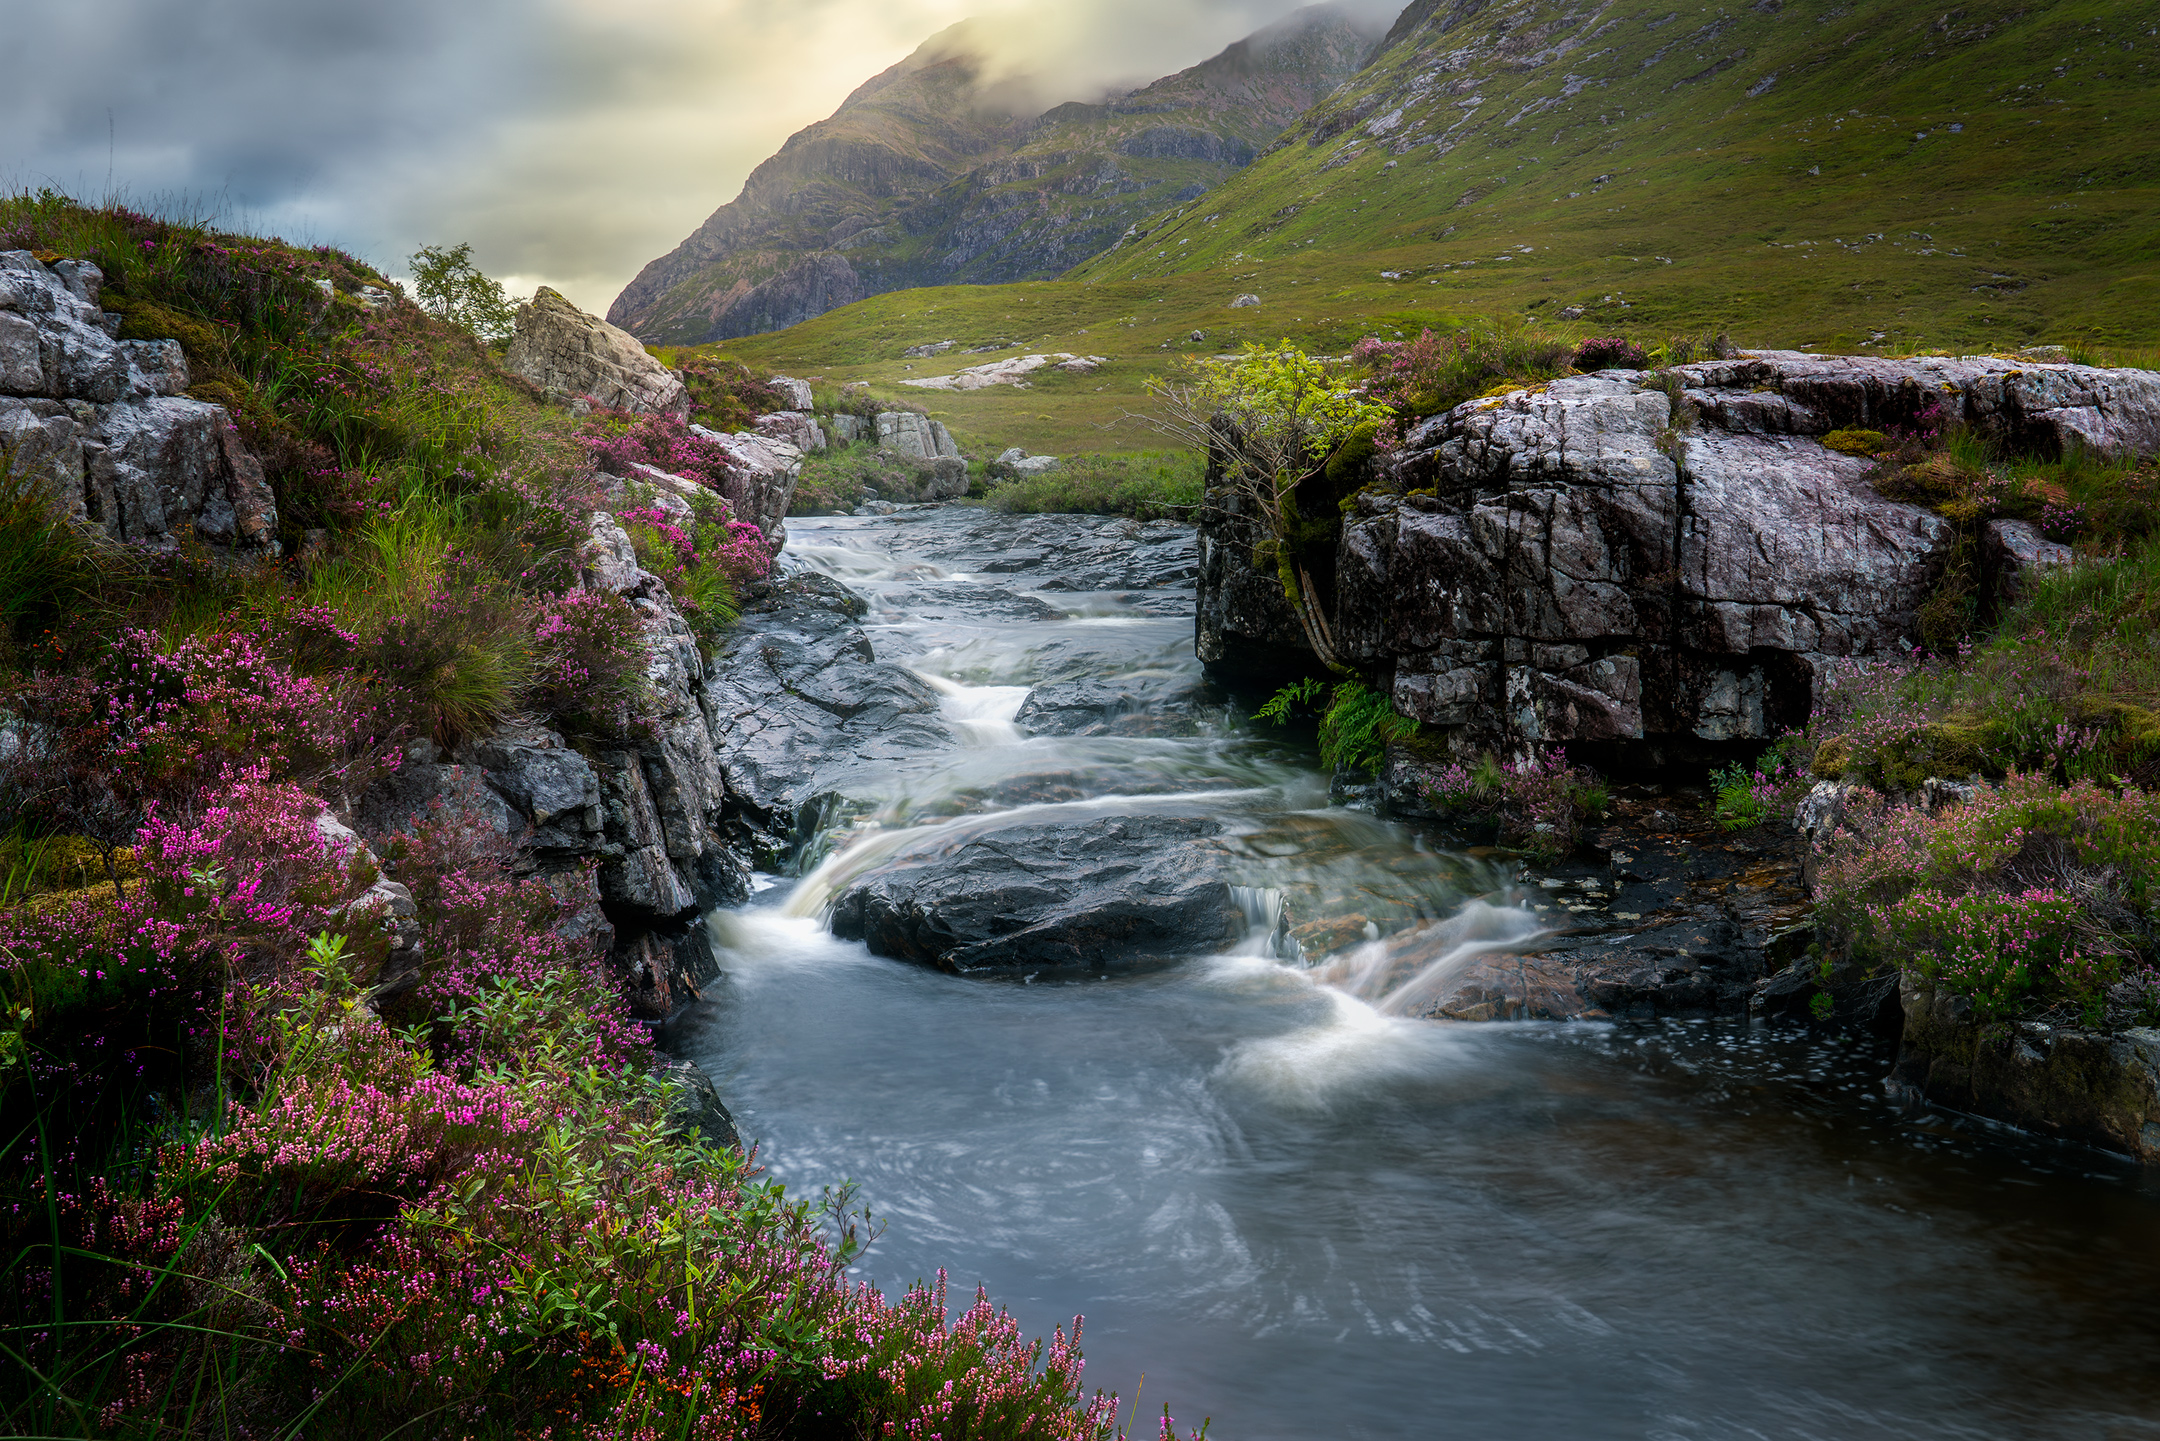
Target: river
{"x":1303,"y":1215}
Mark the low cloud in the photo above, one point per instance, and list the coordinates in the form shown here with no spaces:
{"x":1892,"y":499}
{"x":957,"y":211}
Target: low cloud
{"x":570,"y":141}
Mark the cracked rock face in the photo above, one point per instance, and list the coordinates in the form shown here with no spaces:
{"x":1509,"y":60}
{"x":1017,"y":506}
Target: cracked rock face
{"x":106,"y":428}
{"x":567,"y":352}
{"x":1582,"y":562}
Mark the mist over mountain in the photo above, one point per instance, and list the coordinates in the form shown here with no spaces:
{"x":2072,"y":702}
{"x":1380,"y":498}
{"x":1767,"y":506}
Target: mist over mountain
{"x":947,"y":168}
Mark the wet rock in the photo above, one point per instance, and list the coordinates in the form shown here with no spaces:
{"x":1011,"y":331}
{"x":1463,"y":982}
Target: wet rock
{"x":567,"y":353}
{"x":1088,"y":895}
{"x":2087,"y":1086}
{"x":798,"y":699}
{"x":1661,"y":915}
{"x":102,"y":425}
{"x":695,"y":1107}
{"x":1075,"y":707}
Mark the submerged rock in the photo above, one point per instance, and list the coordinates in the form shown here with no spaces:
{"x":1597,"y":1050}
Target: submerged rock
{"x":1086,"y":894}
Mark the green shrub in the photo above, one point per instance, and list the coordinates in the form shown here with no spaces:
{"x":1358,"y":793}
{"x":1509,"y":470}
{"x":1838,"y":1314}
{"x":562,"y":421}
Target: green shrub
{"x":1359,"y":724}
{"x":1147,"y":485}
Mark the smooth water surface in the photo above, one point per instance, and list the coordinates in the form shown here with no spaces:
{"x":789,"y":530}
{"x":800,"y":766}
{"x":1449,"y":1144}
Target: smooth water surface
{"x":1306,"y":1217}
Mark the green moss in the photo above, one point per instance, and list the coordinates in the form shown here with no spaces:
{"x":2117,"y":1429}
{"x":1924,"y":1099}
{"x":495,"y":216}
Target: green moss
{"x":1856,"y":442}
{"x":1833,"y":759}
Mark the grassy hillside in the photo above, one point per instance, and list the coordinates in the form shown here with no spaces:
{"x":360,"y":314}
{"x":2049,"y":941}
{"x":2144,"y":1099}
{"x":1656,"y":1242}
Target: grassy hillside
{"x":1900,"y":180}
{"x":926,"y":173}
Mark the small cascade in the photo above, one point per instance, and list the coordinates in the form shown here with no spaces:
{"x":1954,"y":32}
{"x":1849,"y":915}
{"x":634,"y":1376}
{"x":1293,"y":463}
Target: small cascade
{"x":981,"y":714}
{"x":1267,"y":923}
{"x":1394,"y":974}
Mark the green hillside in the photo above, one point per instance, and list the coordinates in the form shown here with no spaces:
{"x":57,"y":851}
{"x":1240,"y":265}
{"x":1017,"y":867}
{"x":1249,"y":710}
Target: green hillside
{"x":1813,"y":173}
{"x":1900,"y":179}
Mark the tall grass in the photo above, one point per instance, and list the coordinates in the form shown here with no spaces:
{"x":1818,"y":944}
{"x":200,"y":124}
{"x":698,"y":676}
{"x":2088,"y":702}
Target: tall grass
{"x":47,"y":565}
{"x":1147,"y":485}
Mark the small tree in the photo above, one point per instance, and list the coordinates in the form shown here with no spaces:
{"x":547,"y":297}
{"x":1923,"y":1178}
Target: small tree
{"x":453,"y":289}
{"x":1272,"y":417}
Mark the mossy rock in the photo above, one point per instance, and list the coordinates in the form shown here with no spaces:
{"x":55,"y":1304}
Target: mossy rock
{"x":203,"y":341}
{"x":1833,"y":758}
{"x":1856,"y":442}
{"x":1959,"y":745}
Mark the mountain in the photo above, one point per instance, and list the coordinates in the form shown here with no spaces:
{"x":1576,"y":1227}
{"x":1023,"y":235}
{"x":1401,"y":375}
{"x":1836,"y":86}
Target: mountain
{"x":1893,"y":173}
{"x":927,"y":176}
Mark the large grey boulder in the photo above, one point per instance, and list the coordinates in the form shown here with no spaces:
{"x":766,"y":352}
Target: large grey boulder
{"x":795,"y":392}
{"x":1091,"y":895}
{"x":104,"y":426}
{"x":930,"y":446}
{"x":568,"y":354}
{"x":2013,"y":553}
{"x":1587,"y":562}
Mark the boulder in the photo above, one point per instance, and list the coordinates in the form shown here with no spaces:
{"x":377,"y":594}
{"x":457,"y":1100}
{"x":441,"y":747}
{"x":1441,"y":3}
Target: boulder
{"x":847,"y":429}
{"x":903,"y":432}
{"x":797,"y":427}
{"x":2012,"y":553}
{"x":568,"y":353}
{"x":1086,"y":895}
{"x":795,"y":392}
{"x":1075,"y":707}
{"x":924,"y":352}
{"x":1017,"y":462}
{"x":104,"y":426}
{"x":760,"y":483}
{"x":1244,"y":302}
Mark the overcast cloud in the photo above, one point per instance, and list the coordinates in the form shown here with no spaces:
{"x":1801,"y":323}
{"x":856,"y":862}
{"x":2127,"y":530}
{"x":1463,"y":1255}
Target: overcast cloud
{"x":570,"y":141}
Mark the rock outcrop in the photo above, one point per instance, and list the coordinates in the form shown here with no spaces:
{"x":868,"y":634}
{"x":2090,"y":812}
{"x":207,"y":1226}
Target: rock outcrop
{"x":104,"y":425}
{"x":571,"y":354}
{"x":760,"y":483}
{"x":1013,"y":371}
{"x":635,"y":831}
{"x":1600,"y":561}
{"x":2086,"y":1086}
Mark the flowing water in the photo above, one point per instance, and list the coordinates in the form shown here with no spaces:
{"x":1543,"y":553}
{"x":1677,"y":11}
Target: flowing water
{"x":1305,"y":1215}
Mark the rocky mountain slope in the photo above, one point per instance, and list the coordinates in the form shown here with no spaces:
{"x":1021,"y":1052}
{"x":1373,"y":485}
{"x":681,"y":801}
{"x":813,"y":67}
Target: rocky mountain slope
{"x":925,"y":176}
{"x":1886,"y":173}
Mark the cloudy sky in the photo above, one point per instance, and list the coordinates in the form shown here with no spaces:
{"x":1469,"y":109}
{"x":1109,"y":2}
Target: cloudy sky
{"x":570,"y":141}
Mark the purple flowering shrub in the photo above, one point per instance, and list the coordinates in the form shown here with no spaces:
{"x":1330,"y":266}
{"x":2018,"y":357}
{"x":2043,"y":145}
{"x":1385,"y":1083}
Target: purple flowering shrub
{"x":1538,"y":803}
{"x":1434,"y":372}
{"x":618,"y":442}
{"x":2031,"y":892}
{"x":706,"y":559}
{"x":1610,"y":352}
{"x":589,"y":662}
